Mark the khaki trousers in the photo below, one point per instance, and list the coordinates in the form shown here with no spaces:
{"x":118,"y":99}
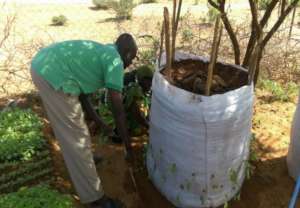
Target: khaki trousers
{"x":67,"y":120}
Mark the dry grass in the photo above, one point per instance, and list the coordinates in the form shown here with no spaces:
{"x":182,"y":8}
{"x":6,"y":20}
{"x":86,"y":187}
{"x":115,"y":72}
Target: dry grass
{"x":32,"y":30}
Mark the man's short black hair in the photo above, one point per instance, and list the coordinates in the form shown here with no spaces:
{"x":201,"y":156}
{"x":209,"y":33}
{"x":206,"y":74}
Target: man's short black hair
{"x":127,"y":48}
{"x":127,"y":42}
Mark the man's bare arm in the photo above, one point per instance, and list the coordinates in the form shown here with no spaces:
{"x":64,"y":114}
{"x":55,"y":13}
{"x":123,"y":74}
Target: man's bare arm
{"x":120,"y":117}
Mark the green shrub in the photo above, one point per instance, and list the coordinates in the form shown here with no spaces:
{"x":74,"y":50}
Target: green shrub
{"x":280,"y":93}
{"x":147,"y":57}
{"x":147,"y":52}
{"x":292,"y":89}
{"x":123,"y":9}
{"x":59,"y":20}
{"x":148,"y":1}
{"x":102,"y":4}
{"x":36,"y":197}
{"x":187,"y":35}
{"x":263,"y":4}
{"x":20,"y":135}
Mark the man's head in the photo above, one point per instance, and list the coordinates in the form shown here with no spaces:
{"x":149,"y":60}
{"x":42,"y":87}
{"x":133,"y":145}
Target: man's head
{"x":127,"y":48}
{"x":144,"y":75}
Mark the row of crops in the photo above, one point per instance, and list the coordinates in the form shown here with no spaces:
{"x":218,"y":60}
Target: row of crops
{"x":25,"y":163}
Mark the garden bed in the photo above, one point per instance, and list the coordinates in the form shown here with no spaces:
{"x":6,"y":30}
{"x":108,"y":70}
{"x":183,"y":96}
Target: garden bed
{"x":24,"y":155}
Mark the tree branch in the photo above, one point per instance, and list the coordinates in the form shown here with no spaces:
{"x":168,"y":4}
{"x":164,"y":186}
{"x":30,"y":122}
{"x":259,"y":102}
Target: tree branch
{"x":7,"y":29}
{"x":283,"y":6}
{"x":268,"y":12}
{"x":213,"y":4}
{"x":279,"y":22}
{"x":228,"y":27}
{"x":233,"y":38}
{"x":254,"y":33}
{"x":253,"y":7}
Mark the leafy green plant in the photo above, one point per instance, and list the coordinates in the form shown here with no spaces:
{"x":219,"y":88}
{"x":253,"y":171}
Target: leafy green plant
{"x":263,"y":4}
{"x":253,"y":157}
{"x":59,"y":20}
{"x":36,"y":197}
{"x":105,"y":112}
{"x":123,"y":9}
{"x":20,"y":135}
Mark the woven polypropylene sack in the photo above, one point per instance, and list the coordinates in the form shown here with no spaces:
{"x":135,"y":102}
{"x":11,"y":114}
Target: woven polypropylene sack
{"x":293,"y":160}
{"x":199,"y":145}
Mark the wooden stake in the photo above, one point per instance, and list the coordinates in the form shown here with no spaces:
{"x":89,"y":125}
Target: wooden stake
{"x":167,"y":37}
{"x":175,"y":26}
{"x":178,"y":16}
{"x":173,"y":31}
{"x":214,"y":54}
{"x":162,"y":34}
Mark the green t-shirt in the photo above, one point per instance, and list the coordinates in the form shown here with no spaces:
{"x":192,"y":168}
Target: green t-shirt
{"x":80,"y":66}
